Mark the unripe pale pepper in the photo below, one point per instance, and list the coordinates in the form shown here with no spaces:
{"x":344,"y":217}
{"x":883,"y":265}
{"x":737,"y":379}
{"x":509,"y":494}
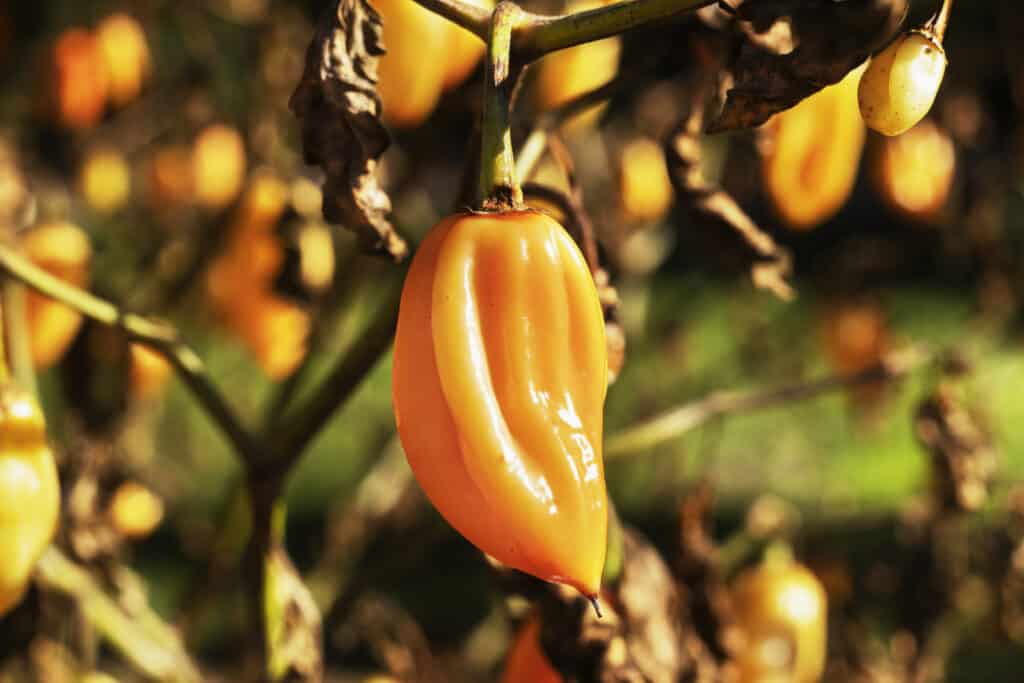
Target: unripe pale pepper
{"x":500,"y":376}
{"x":901,"y":83}
{"x":782,"y":609}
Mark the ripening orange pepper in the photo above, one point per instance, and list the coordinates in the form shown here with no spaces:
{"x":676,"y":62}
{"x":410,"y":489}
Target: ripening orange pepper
{"x":526,"y":662}
{"x":240,"y":282}
{"x":500,"y":375}
{"x":77,"y":80}
{"x":149,"y":372}
{"x":411,"y":73}
{"x":29,"y":492}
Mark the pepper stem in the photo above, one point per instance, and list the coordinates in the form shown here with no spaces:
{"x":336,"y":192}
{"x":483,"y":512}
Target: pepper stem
{"x":596,"y":604}
{"x":498,"y":187}
{"x":936,"y":26}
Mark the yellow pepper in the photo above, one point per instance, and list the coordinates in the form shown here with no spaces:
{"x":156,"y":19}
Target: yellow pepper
{"x":914,"y":171}
{"x":426,"y":55}
{"x":782,"y":609}
{"x":500,"y":376}
{"x":411,"y":73}
{"x":813,"y":165}
{"x":29,"y":493}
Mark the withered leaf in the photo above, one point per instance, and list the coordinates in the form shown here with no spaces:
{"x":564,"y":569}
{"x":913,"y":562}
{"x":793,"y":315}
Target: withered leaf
{"x":294,"y":631}
{"x":711,"y":206}
{"x":786,"y":50}
{"x":342,"y":133}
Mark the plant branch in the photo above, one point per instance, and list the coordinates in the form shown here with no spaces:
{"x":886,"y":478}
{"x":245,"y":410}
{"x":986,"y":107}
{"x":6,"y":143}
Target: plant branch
{"x":473,"y":18}
{"x":351,"y":527}
{"x":153,"y":649}
{"x":677,"y":421}
{"x":498,"y":187}
{"x":356,"y":362}
{"x":161,"y":337}
{"x":539,"y":35}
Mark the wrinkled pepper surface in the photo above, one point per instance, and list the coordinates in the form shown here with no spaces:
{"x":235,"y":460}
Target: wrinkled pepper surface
{"x":29,"y":493}
{"x":500,"y":376}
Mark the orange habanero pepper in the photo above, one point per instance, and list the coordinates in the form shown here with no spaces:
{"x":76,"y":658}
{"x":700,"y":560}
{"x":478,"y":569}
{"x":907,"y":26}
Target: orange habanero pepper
{"x":500,"y":376}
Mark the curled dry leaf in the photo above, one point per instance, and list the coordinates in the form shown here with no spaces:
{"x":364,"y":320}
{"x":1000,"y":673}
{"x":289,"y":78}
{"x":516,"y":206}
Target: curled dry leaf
{"x":785,"y":50}
{"x":710,"y":205}
{"x":964,"y":459}
{"x":342,"y":133}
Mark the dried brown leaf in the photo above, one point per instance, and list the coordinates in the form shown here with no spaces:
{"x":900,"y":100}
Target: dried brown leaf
{"x":963,"y":458}
{"x":786,"y":50}
{"x":342,"y":133}
{"x":710,"y":206}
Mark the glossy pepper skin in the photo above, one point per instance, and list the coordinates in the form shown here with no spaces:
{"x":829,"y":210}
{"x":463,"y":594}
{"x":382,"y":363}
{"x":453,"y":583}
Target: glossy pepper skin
{"x":500,"y":375}
{"x":29,"y":493}
{"x":782,"y":609}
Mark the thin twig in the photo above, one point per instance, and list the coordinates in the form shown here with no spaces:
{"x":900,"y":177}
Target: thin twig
{"x":677,"y":421}
{"x":356,"y":362}
{"x":539,"y":35}
{"x":533,"y":148}
{"x":473,"y":18}
{"x":159,"y":336}
{"x":154,"y":649}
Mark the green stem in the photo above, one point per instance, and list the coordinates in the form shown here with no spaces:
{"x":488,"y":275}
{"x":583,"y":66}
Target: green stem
{"x":498,"y":188}
{"x":539,"y":35}
{"x":159,"y":336}
{"x":473,"y":18}
{"x":17,"y":344}
{"x":152,"y":649}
